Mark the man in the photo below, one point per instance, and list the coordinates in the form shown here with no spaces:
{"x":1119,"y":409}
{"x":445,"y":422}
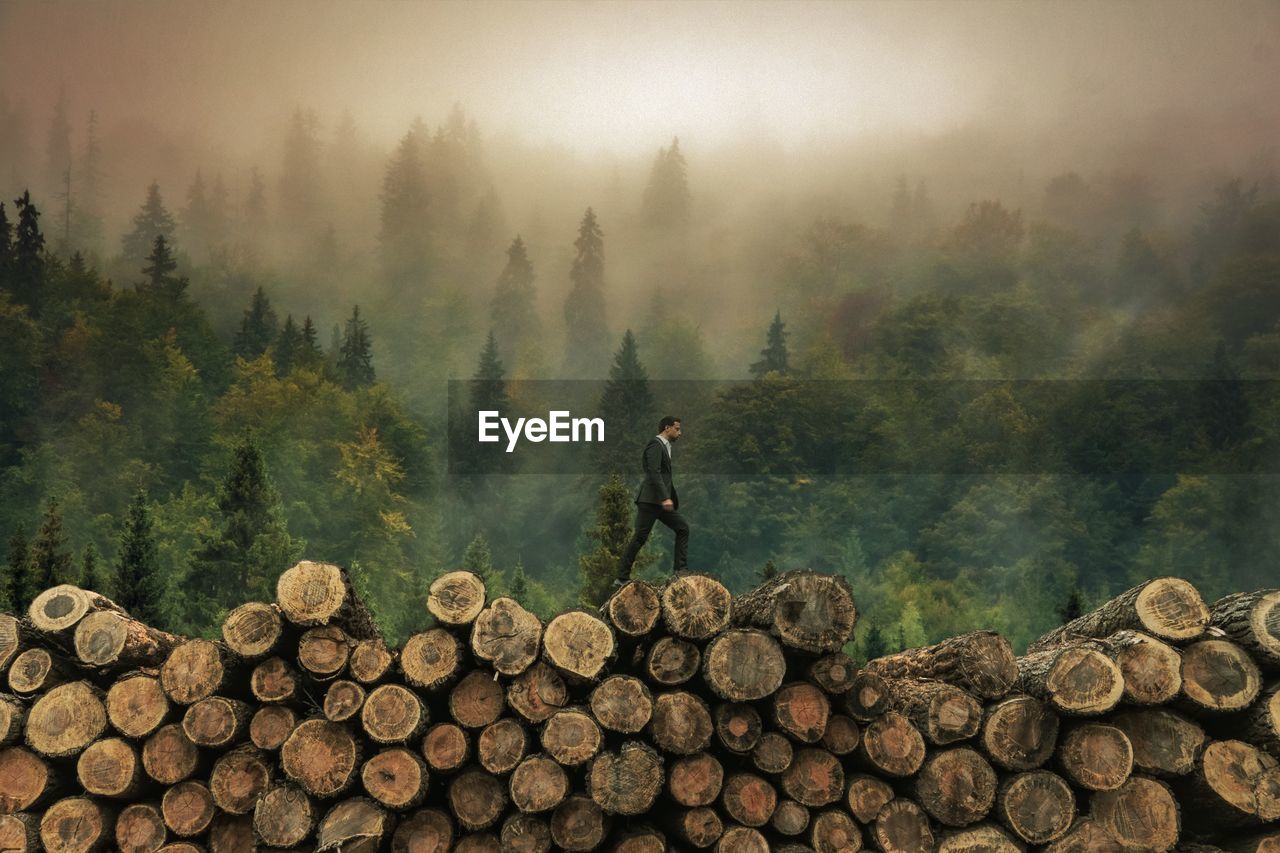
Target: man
{"x":657,"y":500}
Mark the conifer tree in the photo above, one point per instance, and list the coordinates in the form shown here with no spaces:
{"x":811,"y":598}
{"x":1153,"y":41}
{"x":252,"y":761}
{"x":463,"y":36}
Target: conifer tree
{"x":355,"y":357}
{"x":139,"y":586}
{"x":152,"y":221}
{"x":514,"y":308}
{"x":310,"y":355}
{"x":477,"y":559}
{"x":259,"y":327}
{"x":6,"y":246}
{"x":627,"y":406}
{"x":608,"y":539}
{"x":773,"y":358}
{"x":88,"y":222}
{"x":255,"y":205}
{"x":58,"y":142}
{"x":873,"y":644}
{"x":300,"y":171}
{"x":26,"y":275}
{"x":769,"y":571}
{"x":93,"y":574}
{"x":288,"y":347}
{"x":14,"y":585}
{"x":403,"y":234}
{"x":586,"y":330}
{"x":487,"y":392}
{"x":666,"y":198}
{"x":51,"y":562}
{"x":519,"y":585}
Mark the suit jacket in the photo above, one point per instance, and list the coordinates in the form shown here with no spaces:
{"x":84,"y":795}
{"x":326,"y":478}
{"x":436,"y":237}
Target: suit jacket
{"x":657,"y":486}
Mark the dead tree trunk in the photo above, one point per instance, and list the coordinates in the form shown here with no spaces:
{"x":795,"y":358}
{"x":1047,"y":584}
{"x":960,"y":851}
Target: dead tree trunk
{"x":1170,"y":609}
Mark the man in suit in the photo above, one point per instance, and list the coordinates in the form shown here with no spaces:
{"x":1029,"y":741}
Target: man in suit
{"x":657,"y":500}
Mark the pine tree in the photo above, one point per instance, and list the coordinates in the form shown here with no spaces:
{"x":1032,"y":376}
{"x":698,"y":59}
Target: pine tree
{"x":487,"y":392}
{"x":15,"y":585}
{"x":769,"y":571}
{"x":93,"y":575}
{"x":152,"y":221}
{"x":627,"y":406}
{"x":666,"y":198}
{"x":519,"y":585}
{"x":514,"y":308}
{"x":355,"y":357}
{"x":197,"y":216}
{"x":259,"y":327}
{"x":300,"y":171}
{"x":774,"y":355}
{"x":58,"y":142}
{"x":255,"y":205}
{"x":310,"y":355}
{"x":404,"y":231}
{"x":160,"y":269}
{"x":873,"y":644}
{"x":288,"y":347}
{"x":477,"y":559}
{"x":1073,"y":607}
{"x":586,"y":330}
{"x":51,"y":562}
{"x":599,"y":566}
{"x":28,"y":261}
{"x":6,"y":247}
{"x":139,"y":587}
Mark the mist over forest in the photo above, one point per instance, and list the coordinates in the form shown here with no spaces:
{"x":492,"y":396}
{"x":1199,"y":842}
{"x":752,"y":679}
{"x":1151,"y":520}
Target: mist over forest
{"x":244,"y":248}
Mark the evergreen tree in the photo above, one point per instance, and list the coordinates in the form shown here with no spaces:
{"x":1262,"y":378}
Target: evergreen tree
{"x":27,"y":273}
{"x":666,"y":198}
{"x":88,"y":224}
{"x":15,"y":585}
{"x":355,"y":357}
{"x":477,"y":559}
{"x":251,"y":547}
{"x":404,"y":230}
{"x":92,"y":573}
{"x":160,"y":269}
{"x":769,"y":572}
{"x":300,"y":172}
{"x":873,"y":644}
{"x":288,"y":347}
{"x":152,"y":221}
{"x":599,"y":566}
{"x":487,"y":392}
{"x":6,"y":246}
{"x":773,"y":358}
{"x":139,"y":586}
{"x":586,"y":331}
{"x":255,"y":205}
{"x":197,"y":216}
{"x":259,"y":327}
{"x":514,"y":308}
{"x":51,"y":562}
{"x":310,"y":355}
{"x":58,"y":142}
{"x":1073,"y":607}
{"x":627,"y":406}
{"x":519,"y":585}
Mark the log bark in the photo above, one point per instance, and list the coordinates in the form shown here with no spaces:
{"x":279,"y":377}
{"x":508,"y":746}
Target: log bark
{"x":36,"y":671}
{"x":681,"y":723}
{"x":311,"y":594}
{"x":76,"y":825}
{"x":169,"y":756}
{"x":431,"y":659}
{"x":506,"y":636}
{"x":216,"y":722}
{"x":320,"y":756}
{"x":748,"y":799}
{"x":538,"y":784}
{"x":633,"y":611}
{"x":110,"y":768}
{"x":695,"y":607}
{"x":1037,"y":806}
{"x":13,"y":719}
{"x":956,"y":786}
{"x":271,"y":726}
{"x":802,"y":711}
{"x":672,"y":661}
{"x":424,"y":831}
{"x":1252,"y":621}
{"x":323,"y":652}
{"x":56,"y":611}
{"x":833,"y":832}
{"x":695,"y":780}
{"x":476,"y":799}
{"x":274,"y":680}
{"x":1164,"y":742}
{"x":537,"y":693}
{"x":892,"y":746}
{"x":834,"y":673}
{"x":139,"y":829}
{"x":198,"y":669}
{"x":628,"y":781}
{"x":814,"y":778}
{"x":526,"y":833}
{"x":1152,"y":668}
{"x":456,"y":598}
{"x":188,"y":808}
{"x":773,"y":753}
{"x":65,"y":720}
{"x":866,"y":795}
{"x":743,"y":665}
{"x":804,"y":610}
{"x":1260,"y":724}
{"x":137,"y":705}
{"x":980,"y":662}
{"x":942,"y":712}
{"x":501,"y":746}
{"x":238,"y":778}
{"x":1078,"y":679}
{"x":19,"y":833}
{"x":357,"y":825}
{"x":477,"y":700}
{"x":393,"y":714}
{"x":446,"y":747}
{"x":622,"y":703}
{"x":738,"y":726}
{"x":578,"y":644}
{"x":106,"y":639}
{"x":902,"y":827}
{"x":571,"y":737}
{"x":1218,"y":677}
{"x":579,"y":824}
{"x":10,"y":639}
{"x":1169,"y":609}
{"x":343,"y":700}
{"x":396,"y":778}
{"x":1141,"y":813}
{"x":1096,"y":757}
{"x":1234,"y":786}
{"x":370,"y":661}
{"x":284,"y":816}
{"x":26,"y":780}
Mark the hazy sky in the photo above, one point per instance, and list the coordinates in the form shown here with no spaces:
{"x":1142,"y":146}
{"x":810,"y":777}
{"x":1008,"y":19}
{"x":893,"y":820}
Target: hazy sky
{"x":625,"y":76}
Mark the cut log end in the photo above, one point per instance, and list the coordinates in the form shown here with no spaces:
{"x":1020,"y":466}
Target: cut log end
{"x":744,"y":665}
{"x":634,"y":610}
{"x":578,"y":644}
{"x":805,"y":610}
{"x":252,"y":630}
{"x":456,"y":598}
{"x":1037,"y":806}
{"x":696,"y":607}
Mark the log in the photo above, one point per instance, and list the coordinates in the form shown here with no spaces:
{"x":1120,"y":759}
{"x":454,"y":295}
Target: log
{"x":197,"y":669}
{"x":445,"y":747}
{"x":284,"y":816}
{"x":271,"y":725}
{"x":1218,"y":677}
{"x":571,"y":737}
{"x":479,"y":842}
{"x":902,"y":827}
{"x":537,"y":693}
{"x":773,"y":753}
{"x":343,"y":700}
{"x":681,"y":723}
{"x":323,"y":652}
{"x":506,"y":636}
{"x":1140,"y":813}
{"x":169,"y":756}
{"x":742,"y":839}
{"x":956,"y":786}
{"x":274,"y":680}
{"x":842,"y":735}
{"x":980,"y":662}
{"x":311,"y":594}
{"x":370,"y":661}
{"x":695,"y":780}
{"x":393,"y":714}
{"x":26,"y":780}
{"x":1096,"y":757}
{"x":982,"y":838}
{"x":579,"y":824}
{"x":802,"y":710}
{"x":749,"y":799}
{"x":13,"y":719}
{"x":111,"y":768}
{"x":833,"y":832}
{"x":1037,"y":806}
{"x":76,"y":825}
{"x":232,"y":834}
{"x":942,"y":712}
{"x":738,"y":726}
{"x":834,"y":673}
{"x":477,"y":700}
{"x":188,"y":808}
{"x":1251,"y":620}
{"x":431,"y":659}
{"x":633,"y":610}
{"x":139,"y":829}
{"x":216,"y":722}
{"x":137,"y":705}
{"x":56,"y":611}
{"x":700,"y":827}
{"x":1234,"y":786}
{"x":814,"y":778}
{"x":1169,"y":609}
{"x":804,"y":610}
{"x":238,"y":778}
{"x":695,"y":607}
{"x":501,"y":746}
{"x":320,"y":756}
{"x":456,"y":598}
{"x":1267,"y":841}
{"x":626,"y":782}
{"x":20,"y":833}
{"x":424,"y":831}
{"x":10,"y":639}
{"x":65,"y":720}
{"x":622,"y":703}
{"x":1164,"y":742}
{"x":1152,"y":668}
{"x":476,"y":799}
{"x":578,"y":644}
{"x":525,"y":833}
{"x":357,"y":825}
{"x":396,"y":778}
{"x":743,"y":665}
{"x":1086,"y":836}
{"x":866,"y":795}
{"x":1078,"y":680}
{"x":891,"y":746}
{"x":36,"y":671}
{"x":1019,"y":733}
{"x":538,"y":784}
{"x":868,"y":698}
{"x":672,"y":661}
{"x":105,"y":639}
{"x":1260,"y":724}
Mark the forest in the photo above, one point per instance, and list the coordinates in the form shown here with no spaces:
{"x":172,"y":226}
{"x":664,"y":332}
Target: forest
{"x":985,"y":402}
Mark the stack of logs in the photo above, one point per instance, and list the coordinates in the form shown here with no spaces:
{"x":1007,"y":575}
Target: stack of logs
{"x":677,"y":718}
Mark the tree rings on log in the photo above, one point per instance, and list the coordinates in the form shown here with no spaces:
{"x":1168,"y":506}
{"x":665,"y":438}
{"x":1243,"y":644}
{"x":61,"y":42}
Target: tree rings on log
{"x":578,"y":644}
{"x":743,"y":665}
{"x":506,"y":636}
{"x":805,"y":610}
{"x":695,"y":607}
{"x":634,"y":609}
{"x":628,"y":781}
{"x":456,"y":598}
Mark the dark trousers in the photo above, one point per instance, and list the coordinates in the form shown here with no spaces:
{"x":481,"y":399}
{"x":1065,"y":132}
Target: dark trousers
{"x":646,"y":515}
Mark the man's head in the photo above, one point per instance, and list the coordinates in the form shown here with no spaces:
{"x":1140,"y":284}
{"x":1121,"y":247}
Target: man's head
{"x":669,"y":428}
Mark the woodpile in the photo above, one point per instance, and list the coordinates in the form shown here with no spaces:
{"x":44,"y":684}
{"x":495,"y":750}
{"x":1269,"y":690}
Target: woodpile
{"x":677,"y":718}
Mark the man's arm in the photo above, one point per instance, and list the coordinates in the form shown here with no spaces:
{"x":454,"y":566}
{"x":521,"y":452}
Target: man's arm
{"x":653,"y":469}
